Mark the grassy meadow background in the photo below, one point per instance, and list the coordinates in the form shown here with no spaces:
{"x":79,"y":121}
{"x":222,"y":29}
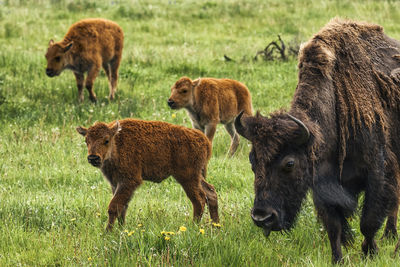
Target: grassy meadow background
{"x":53,"y":204}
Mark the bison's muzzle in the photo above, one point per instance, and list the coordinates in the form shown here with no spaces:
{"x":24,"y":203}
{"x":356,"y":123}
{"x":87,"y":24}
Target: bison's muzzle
{"x":268,"y":219}
{"x":94,"y":160}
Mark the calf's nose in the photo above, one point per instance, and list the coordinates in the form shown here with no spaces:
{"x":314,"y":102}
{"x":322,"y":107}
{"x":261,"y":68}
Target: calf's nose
{"x":170,"y":102}
{"x":93,"y":158}
{"x":49,"y":72}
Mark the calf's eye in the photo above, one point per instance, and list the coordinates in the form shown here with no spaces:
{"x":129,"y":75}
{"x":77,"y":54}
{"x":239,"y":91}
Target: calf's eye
{"x":106,"y":142}
{"x":184,"y":91}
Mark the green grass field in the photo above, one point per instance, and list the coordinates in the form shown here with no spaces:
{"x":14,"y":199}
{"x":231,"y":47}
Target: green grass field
{"x":53,"y":204}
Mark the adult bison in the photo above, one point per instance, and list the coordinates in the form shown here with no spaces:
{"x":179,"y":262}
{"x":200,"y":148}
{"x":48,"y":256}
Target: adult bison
{"x":88,"y":45}
{"x":339,"y":138}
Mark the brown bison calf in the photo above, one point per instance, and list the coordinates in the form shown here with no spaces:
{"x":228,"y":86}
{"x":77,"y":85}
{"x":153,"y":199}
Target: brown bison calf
{"x":211,"y":101}
{"x":130,"y":151}
{"x":88,"y":45}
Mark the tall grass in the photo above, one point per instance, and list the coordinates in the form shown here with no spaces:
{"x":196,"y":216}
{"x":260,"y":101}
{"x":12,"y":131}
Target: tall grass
{"x":53,"y":205}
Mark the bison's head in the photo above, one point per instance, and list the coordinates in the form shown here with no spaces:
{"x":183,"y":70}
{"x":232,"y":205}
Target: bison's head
{"x":282,"y":167}
{"x":99,"y":139}
{"x":182,"y":93}
{"x":56,"y":58}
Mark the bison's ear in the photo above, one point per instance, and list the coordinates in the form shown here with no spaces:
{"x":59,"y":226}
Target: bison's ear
{"x":304,"y":135}
{"x":51,"y":42}
{"x":68,"y":46}
{"x":241,"y":127}
{"x":117,"y":127}
{"x":82,"y":130}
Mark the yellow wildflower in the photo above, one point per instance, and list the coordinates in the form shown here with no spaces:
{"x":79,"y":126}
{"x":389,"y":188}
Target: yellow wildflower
{"x":89,"y":259}
{"x":126,"y":231}
{"x":182,"y":228}
{"x":131,"y":233}
{"x":167,"y":238}
{"x":201,"y":231}
{"x":140,"y":225}
{"x":73,"y":219}
{"x":98,"y":214}
{"x":216,"y":224}
{"x":173,"y":115}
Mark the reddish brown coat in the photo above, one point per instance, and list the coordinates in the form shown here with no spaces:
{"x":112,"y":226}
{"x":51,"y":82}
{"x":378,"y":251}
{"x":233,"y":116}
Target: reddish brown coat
{"x":130,"y":151}
{"x":211,"y":101}
{"x":89,"y":45}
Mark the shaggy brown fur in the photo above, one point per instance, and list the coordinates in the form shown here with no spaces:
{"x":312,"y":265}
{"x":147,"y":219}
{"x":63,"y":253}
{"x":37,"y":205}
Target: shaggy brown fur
{"x":211,"y":101}
{"x":347,"y":96}
{"x":130,"y":151}
{"x":89,"y":45}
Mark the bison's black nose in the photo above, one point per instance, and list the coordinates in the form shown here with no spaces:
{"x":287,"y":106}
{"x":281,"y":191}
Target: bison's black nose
{"x":94,"y":160}
{"x":171,"y":103}
{"x":50,"y":72}
{"x":264,"y":217}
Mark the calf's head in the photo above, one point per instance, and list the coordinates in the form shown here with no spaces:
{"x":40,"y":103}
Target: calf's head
{"x":99,"y":139}
{"x":182,"y":93}
{"x":56,"y":58}
{"x":281,"y":166}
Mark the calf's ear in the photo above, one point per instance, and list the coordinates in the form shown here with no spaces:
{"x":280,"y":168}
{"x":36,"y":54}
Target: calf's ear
{"x":196,"y":82}
{"x":68,"y":46}
{"x":51,"y":42}
{"x":117,"y":127}
{"x":81,"y":130}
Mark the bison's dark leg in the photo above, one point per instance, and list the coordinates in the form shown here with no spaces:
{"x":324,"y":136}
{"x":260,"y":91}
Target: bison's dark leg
{"x":391,"y":224}
{"x":195,"y":193}
{"x":371,"y":221}
{"x":333,"y":225}
{"x":380,"y":200}
{"x":79,"y":82}
{"x":119,"y":203}
{"x":397,"y":250}
{"x":234,"y":137}
{"x":91,"y":77}
{"x":212,"y":200}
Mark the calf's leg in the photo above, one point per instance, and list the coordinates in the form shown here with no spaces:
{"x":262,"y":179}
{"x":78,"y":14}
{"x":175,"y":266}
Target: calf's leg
{"x":91,"y":77}
{"x":210,"y":130}
{"x":195,"y":193}
{"x":79,"y":82}
{"x":230,"y":127}
{"x":114,"y":66}
{"x":212,"y":200}
{"x":119,"y":203}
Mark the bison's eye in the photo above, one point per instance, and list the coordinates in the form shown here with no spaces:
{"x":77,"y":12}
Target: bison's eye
{"x":289,"y":166}
{"x":184,"y":91}
{"x":106,"y":142}
{"x":57,"y":59}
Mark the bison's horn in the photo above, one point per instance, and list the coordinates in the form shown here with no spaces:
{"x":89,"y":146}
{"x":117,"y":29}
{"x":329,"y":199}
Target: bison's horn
{"x":239,"y":126}
{"x":305,"y":133}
